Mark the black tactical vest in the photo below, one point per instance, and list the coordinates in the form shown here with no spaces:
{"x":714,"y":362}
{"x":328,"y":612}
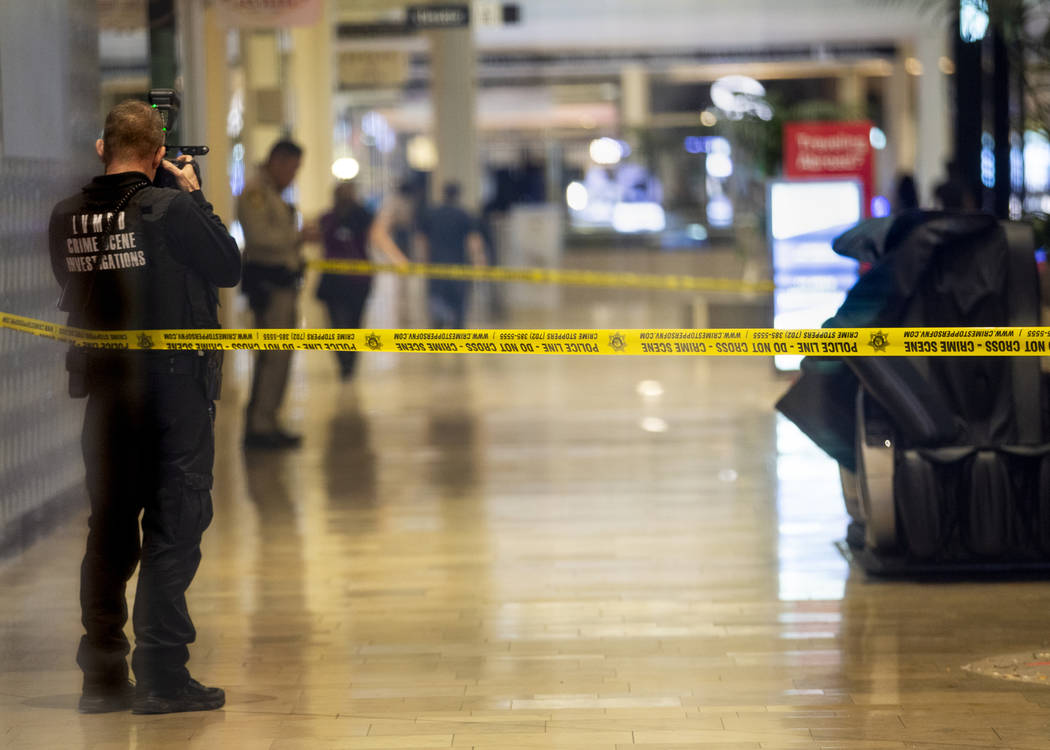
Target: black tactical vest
{"x":137,"y":283}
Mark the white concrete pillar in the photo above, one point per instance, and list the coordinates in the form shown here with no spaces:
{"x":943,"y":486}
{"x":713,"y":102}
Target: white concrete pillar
{"x":206,"y":98}
{"x":933,"y":118}
{"x":453,"y":91}
{"x":263,"y":104}
{"x":312,"y":81}
{"x":555,"y":175}
{"x":635,"y":106}
{"x":851,"y":94}
{"x":899,"y":108}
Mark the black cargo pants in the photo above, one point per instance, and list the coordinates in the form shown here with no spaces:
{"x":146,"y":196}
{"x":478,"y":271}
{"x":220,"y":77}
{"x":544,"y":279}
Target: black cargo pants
{"x":149,"y":447}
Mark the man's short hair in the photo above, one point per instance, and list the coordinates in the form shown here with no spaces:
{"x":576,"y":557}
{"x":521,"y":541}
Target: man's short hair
{"x":345,"y":191}
{"x":285,"y":149}
{"x":134,"y":130}
{"x":451,"y":191}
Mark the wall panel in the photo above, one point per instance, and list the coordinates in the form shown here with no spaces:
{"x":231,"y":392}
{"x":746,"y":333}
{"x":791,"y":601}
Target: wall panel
{"x":49,"y":93}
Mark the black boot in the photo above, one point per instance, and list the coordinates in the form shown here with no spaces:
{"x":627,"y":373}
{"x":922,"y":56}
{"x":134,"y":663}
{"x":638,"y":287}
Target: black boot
{"x":105,"y":697}
{"x":190,"y":697}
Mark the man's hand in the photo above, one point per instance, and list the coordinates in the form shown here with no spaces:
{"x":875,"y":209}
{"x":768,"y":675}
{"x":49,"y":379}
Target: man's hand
{"x":476,"y":250}
{"x":311,"y":232}
{"x":185,"y":177}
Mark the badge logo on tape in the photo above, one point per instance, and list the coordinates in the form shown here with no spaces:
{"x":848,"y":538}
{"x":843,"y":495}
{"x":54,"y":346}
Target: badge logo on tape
{"x":879,"y":341}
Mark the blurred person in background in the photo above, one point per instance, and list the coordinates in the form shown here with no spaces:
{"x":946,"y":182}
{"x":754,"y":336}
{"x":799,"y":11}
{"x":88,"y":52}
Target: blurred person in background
{"x":273,"y":270}
{"x":393,"y":232}
{"x":395,"y":222}
{"x":906,"y":194}
{"x":448,"y":234}
{"x":955,"y":193}
{"x":345,"y":231}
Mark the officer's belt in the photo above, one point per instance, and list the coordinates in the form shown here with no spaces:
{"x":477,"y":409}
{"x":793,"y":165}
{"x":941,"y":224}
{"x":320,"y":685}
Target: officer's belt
{"x":154,"y":363}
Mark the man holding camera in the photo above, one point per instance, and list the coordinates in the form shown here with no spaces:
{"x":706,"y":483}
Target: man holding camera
{"x":133,"y":256}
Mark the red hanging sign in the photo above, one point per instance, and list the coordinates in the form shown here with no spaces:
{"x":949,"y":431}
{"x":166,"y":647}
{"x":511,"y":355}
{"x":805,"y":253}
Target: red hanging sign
{"x":829,"y":150}
{"x":270,"y":13}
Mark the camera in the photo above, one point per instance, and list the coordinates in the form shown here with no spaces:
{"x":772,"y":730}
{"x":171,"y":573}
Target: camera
{"x":167,"y":103}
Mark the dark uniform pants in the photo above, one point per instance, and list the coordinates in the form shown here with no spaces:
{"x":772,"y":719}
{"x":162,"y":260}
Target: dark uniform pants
{"x":149,"y":447}
{"x":345,"y":298}
{"x":272,"y":368}
{"x":448,"y":303}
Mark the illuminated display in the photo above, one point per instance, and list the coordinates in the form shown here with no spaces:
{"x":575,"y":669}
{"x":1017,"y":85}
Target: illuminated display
{"x":811,"y":279}
{"x":625,"y":198}
{"x":973,"y":20}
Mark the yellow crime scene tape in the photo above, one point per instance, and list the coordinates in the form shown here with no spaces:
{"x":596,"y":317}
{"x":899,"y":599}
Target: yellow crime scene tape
{"x":837,"y":342}
{"x":566,"y":277}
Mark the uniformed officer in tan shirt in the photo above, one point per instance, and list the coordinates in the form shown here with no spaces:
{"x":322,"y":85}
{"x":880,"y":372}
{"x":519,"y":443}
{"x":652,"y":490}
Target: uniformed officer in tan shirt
{"x":273,"y":265}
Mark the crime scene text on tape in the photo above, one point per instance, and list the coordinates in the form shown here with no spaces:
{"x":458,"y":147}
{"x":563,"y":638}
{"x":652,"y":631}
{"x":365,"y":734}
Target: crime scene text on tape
{"x":566,"y":277}
{"x":831,"y":342}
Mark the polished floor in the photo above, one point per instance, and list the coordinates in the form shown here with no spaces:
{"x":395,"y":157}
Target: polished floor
{"x":498,"y":552}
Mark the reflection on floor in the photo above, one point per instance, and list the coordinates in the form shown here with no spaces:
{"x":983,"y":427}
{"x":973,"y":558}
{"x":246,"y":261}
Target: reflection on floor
{"x":499,"y":552}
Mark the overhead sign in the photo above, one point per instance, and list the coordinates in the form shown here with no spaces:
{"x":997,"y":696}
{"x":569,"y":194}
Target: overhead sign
{"x":372,"y":68}
{"x":270,"y":13}
{"x":366,"y":22}
{"x":121,"y":15}
{"x":495,"y":13}
{"x":438,"y":16}
{"x":830,"y":150}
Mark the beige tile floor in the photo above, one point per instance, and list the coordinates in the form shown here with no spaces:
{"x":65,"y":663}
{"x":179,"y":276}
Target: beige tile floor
{"x":503,"y":553}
